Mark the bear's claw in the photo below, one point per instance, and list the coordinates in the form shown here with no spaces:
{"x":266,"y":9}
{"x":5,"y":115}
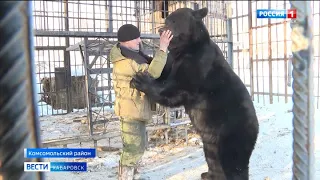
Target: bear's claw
{"x":204,"y":175}
{"x":141,"y":81}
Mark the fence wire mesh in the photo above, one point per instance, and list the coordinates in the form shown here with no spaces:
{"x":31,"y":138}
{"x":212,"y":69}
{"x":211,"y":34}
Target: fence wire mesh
{"x":262,"y":51}
{"x":73,"y":40}
{"x":60,"y":26}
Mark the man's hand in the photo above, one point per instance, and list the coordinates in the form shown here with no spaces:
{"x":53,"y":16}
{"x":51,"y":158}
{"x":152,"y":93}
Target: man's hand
{"x":165,"y":39}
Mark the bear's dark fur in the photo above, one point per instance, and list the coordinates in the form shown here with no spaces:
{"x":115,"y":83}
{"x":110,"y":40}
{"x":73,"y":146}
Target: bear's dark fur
{"x":214,"y":97}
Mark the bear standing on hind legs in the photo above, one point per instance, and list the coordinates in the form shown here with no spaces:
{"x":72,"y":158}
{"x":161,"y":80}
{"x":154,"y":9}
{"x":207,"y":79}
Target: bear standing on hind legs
{"x":214,"y":97}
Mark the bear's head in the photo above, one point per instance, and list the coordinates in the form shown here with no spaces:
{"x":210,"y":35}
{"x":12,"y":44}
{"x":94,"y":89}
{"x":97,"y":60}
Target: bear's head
{"x":187,"y":28}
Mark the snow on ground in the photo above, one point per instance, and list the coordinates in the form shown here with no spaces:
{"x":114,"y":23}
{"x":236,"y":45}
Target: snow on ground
{"x":271,"y":158}
{"x":69,"y":125}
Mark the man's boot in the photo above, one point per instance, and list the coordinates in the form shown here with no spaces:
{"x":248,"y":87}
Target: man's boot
{"x":126,"y":172}
{"x":136,"y":174}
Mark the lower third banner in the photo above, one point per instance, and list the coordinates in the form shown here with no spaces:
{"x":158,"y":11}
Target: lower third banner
{"x":60,"y":153}
{"x":55,"y":166}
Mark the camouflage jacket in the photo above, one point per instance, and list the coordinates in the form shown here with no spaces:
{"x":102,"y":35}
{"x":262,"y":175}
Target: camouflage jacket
{"x":131,"y":103}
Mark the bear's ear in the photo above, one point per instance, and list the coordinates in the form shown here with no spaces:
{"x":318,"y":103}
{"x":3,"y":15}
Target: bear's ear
{"x":201,"y":13}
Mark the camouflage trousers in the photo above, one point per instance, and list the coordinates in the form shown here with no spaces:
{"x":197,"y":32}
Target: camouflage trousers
{"x":133,"y":134}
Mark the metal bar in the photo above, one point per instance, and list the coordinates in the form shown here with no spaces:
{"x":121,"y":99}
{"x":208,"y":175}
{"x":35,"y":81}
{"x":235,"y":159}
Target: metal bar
{"x":108,"y":57}
{"x":230,"y":36}
{"x":273,"y":24}
{"x":94,"y":16}
{"x":277,"y":62}
{"x":104,"y":121}
{"x":318,"y":74}
{"x":270,"y":57}
{"x":273,"y":59}
{"x":137,"y":13}
{"x":262,"y":35}
{"x":104,"y":104}
{"x":46,"y":33}
{"x":78,"y":16}
{"x":152,"y":5}
{"x":101,"y":71}
{"x":256,"y":48}
{"x":110,"y":28}
{"x":243,"y":56}
{"x":250,"y":49}
{"x":42,"y":48}
{"x":102,"y":43}
{"x":77,"y":139}
{"x":219,"y":40}
{"x":230,"y":43}
{"x":94,"y":60}
{"x":221,"y":35}
{"x":289,"y":71}
{"x":109,"y":79}
{"x":240,"y":16}
{"x":241,"y":50}
{"x":85,"y":59}
{"x":19,"y":123}
{"x":237,"y":33}
{"x":285,"y":59}
{"x":67,"y":63}
{"x":94,"y":52}
{"x":303,"y":107}
{"x":274,"y":94}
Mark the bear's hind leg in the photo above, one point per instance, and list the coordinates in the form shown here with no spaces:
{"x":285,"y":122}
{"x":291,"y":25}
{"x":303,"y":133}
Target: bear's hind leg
{"x":242,"y":174}
{"x":235,"y":155}
{"x":215,"y":170}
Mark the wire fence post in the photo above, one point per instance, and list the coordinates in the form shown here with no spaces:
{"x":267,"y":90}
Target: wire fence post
{"x":229,"y":33}
{"x":303,"y":107}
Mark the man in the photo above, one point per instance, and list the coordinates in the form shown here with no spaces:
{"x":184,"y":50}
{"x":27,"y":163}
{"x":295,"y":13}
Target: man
{"x":131,"y":105}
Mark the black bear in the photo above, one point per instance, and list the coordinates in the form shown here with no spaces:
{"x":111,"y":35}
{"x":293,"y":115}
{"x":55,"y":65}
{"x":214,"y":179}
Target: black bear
{"x":214,"y":97}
